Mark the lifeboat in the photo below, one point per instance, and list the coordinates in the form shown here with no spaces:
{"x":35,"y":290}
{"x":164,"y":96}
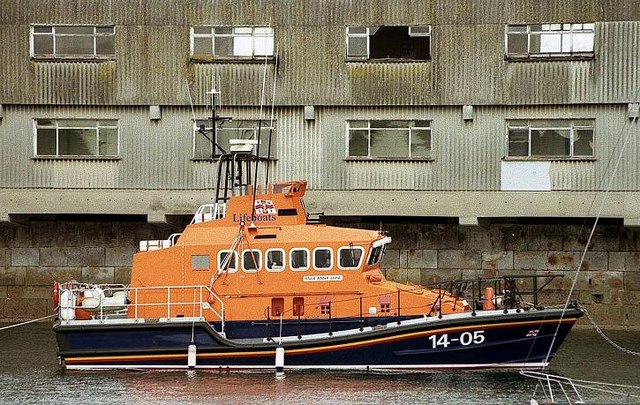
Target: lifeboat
{"x":253,"y":283}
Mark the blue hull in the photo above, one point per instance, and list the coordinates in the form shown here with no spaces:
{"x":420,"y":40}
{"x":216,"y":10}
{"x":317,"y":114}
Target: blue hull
{"x":489,"y":340}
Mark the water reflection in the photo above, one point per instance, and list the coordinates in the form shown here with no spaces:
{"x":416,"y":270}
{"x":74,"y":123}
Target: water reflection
{"x":29,"y":374}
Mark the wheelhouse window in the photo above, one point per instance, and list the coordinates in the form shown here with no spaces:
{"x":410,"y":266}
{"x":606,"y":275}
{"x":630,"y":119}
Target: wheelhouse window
{"x":299,"y":259}
{"x":200,"y":262}
{"x":227,"y":261}
{"x":350,"y":257}
{"x":251,"y":261}
{"x":550,"y":138}
{"x":322,"y":258}
{"x":229,"y":43}
{"x":376,"y":255}
{"x":72,"y":42}
{"x":77,"y":138}
{"x":204,"y":144}
{"x":275,"y":260}
{"x":397,"y":139}
{"x":389,"y":43}
{"x":540,"y":41}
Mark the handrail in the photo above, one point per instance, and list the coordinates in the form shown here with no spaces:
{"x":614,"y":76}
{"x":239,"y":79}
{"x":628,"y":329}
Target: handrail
{"x":110,"y":303}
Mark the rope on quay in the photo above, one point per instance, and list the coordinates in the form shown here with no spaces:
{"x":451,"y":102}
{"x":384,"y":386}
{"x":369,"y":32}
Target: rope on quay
{"x":27,"y":322}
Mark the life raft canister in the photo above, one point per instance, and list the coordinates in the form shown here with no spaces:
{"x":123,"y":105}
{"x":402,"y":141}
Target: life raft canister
{"x":489,"y":295}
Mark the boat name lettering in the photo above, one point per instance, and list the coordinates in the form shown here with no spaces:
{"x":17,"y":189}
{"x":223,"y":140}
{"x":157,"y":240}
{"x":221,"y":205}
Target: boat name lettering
{"x":249,"y":218}
{"x":336,"y":277}
{"x":465,"y":339}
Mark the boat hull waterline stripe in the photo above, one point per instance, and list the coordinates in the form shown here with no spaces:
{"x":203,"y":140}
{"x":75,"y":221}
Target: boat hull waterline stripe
{"x":336,"y":347}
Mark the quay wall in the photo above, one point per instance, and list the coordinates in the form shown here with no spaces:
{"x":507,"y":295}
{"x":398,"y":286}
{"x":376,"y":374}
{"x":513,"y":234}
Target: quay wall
{"x":35,"y":254}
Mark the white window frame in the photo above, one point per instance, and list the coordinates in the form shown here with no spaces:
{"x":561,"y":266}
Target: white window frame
{"x":309,"y":258}
{"x":260,"y":39}
{"x":563,"y":32}
{"x":284,"y":260}
{"x":362,"y":254}
{"x":231,"y":269}
{"x":409,"y":128}
{"x":258,"y":261}
{"x":571,"y":127}
{"x":97,"y":125}
{"x":56,"y":55}
{"x":331,"y":258}
{"x":426,"y":33}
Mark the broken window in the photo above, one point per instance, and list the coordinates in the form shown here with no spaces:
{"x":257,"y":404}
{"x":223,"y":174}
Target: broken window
{"x":550,"y":41}
{"x":203,"y":142}
{"x":69,"y":137}
{"x":72,"y":42}
{"x":550,"y":138}
{"x":209,"y":43}
{"x":389,"y":139}
{"x":389,"y":43}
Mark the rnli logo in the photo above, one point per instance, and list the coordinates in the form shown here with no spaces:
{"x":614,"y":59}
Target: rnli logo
{"x":533,"y":333}
{"x":264,"y":211}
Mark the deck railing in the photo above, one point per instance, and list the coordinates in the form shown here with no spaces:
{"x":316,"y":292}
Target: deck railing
{"x":103,"y":302}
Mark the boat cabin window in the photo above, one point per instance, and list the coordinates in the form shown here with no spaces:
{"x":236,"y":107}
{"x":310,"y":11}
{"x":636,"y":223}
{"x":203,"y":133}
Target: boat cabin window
{"x":200,"y":262}
{"x":287,"y":212}
{"x":251,"y":261}
{"x":350,"y":257}
{"x":376,"y":255}
{"x":299,"y":259}
{"x":275,"y":260}
{"x":277,"y":306}
{"x":322,"y":258}
{"x":298,"y":306}
{"x":227,"y":261}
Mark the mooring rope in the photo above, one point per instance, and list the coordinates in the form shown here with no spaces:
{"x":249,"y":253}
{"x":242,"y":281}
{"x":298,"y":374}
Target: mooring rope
{"x":27,"y":322}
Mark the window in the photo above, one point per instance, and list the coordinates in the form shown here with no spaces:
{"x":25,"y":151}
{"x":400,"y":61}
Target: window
{"x":550,"y":41}
{"x":227,"y":261}
{"x":322,"y":258}
{"x":76,"y":137}
{"x":72,"y":42}
{"x":209,"y":43}
{"x":389,"y":43}
{"x":376,"y":255}
{"x":299,"y":259}
{"x":350,"y":258}
{"x":251,"y":261}
{"x":389,"y":139}
{"x":200,"y":262}
{"x":275,"y":260}
{"x":298,"y":306}
{"x":236,"y":129}
{"x":550,"y":138}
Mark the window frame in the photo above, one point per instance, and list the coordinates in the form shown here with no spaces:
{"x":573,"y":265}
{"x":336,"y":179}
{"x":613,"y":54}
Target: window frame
{"x":57,"y":127}
{"x":258,"y":261}
{"x":572,"y":31}
{"x":304,"y":268}
{"x":236,"y":258}
{"x":236,"y":32}
{"x":409,"y":128}
{"x":284,"y":260}
{"x":95,"y":56}
{"x":572,"y":128}
{"x":331,"y":258}
{"x":362,"y":250}
{"x":350,"y":57}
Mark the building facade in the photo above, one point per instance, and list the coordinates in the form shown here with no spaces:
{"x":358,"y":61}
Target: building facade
{"x":486,"y":135}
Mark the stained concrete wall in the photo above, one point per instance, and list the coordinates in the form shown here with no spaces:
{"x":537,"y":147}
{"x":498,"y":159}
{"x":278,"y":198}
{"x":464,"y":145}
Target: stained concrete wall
{"x":34,"y":255}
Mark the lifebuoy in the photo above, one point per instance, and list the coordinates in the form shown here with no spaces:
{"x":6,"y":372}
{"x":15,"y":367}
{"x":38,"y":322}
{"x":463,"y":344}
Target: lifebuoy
{"x":56,"y":295}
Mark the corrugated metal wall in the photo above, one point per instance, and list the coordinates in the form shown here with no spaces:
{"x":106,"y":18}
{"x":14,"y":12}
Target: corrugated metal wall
{"x":466,"y":154}
{"x":468,"y":66}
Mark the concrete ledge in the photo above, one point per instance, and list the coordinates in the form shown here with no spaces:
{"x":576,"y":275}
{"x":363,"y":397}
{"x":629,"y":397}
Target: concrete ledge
{"x":160,"y":205}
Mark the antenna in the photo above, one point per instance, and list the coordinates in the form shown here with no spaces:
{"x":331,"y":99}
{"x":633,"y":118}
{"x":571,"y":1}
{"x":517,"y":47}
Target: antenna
{"x":273,"y":106}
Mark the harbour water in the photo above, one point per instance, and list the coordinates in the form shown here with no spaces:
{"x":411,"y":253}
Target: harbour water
{"x":29,"y":374}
